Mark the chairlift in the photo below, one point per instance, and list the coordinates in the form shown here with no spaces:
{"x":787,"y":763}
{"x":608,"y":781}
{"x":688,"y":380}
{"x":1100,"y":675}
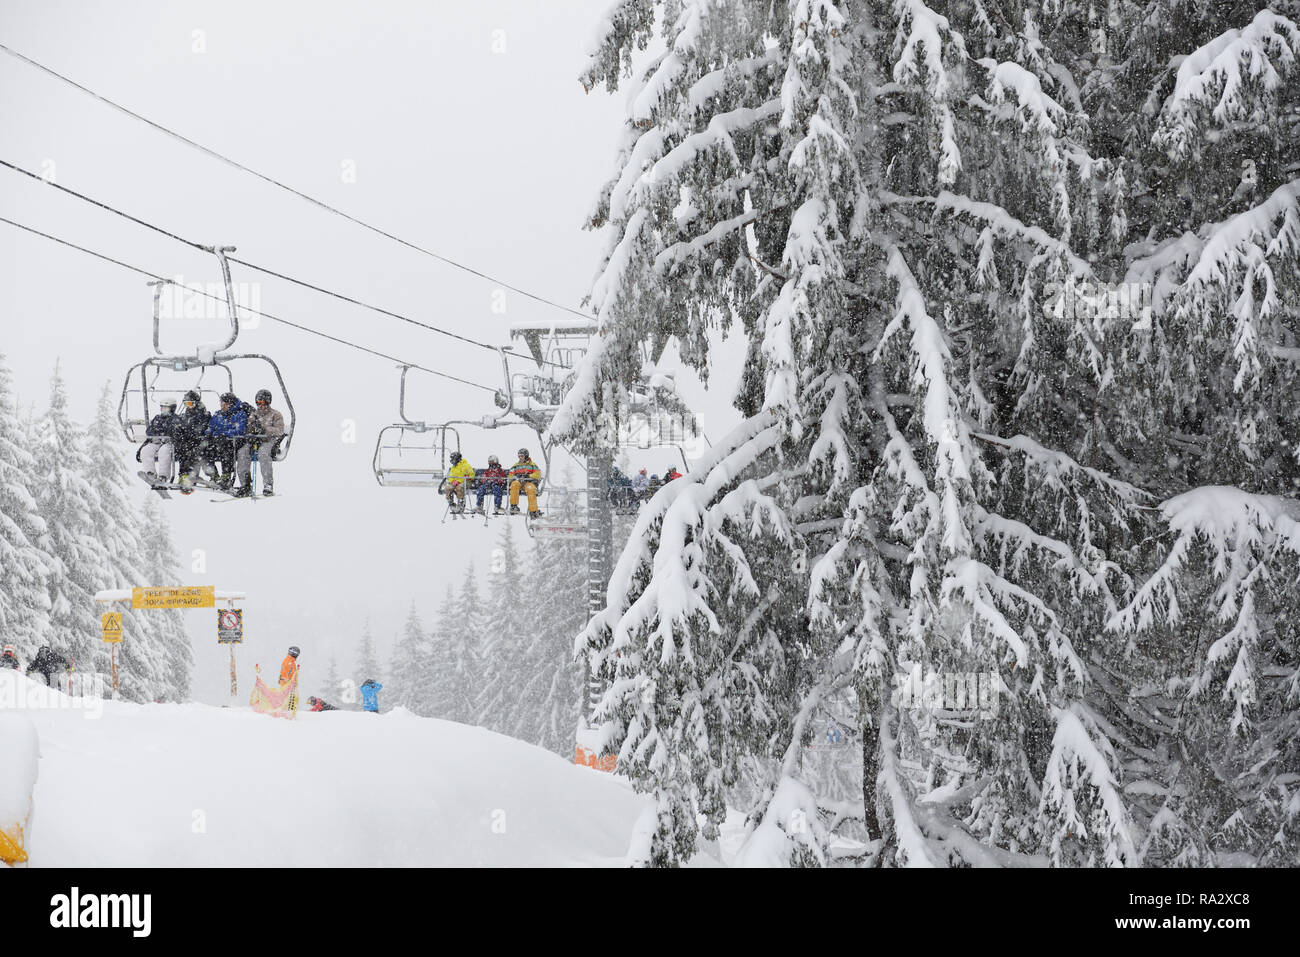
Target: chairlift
{"x":413,"y":454}
{"x":151,"y":380}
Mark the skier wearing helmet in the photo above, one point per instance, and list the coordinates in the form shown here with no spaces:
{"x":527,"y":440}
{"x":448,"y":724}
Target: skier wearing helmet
{"x":493,"y":479}
{"x":289,"y":668}
{"x":458,"y":482}
{"x":158,"y":451}
{"x":268,"y":426}
{"x":524,"y":475}
{"x":9,"y":658}
{"x":194,"y":422}
{"x":226,"y":430}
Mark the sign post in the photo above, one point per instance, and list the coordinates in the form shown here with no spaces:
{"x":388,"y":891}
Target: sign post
{"x":111,"y":629}
{"x":230,"y":631}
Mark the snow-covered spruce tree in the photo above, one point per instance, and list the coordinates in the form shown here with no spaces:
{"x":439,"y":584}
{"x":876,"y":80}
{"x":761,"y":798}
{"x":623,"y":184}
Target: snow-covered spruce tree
{"x":71,"y":509}
{"x":143,"y":658}
{"x":511,"y":624}
{"x":412,"y":667}
{"x":160,"y":567}
{"x":367,"y":661}
{"x":467,"y":632}
{"x":445,"y":691}
{"x":24,"y":601}
{"x":1214,"y":370}
{"x":549,"y":689}
{"x":882,"y":196}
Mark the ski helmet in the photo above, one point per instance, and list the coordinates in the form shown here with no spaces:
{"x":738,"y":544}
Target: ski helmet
{"x":293,"y":650}
{"x":455,"y":458}
{"x":167,"y":404}
{"x":230,"y":397}
{"x":493,"y":460}
{"x":523,"y":453}
{"x":9,"y":650}
{"x":263,"y":395}
{"x":192,"y":396}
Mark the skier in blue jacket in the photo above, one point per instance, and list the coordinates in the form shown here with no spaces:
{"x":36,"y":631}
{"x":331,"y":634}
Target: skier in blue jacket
{"x":225,"y":429}
{"x":370,"y":695}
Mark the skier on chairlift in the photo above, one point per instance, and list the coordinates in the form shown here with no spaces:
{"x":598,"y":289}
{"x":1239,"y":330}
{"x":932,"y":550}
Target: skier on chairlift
{"x":492,"y":480}
{"x":268,"y":426}
{"x":226,"y":430}
{"x":524,"y":476}
{"x":672,"y":474}
{"x":640,"y":483}
{"x":194,"y":422}
{"x":458,"y":481}
{"x":166,"y":430}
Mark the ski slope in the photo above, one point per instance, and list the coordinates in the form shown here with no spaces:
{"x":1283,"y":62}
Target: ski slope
{"x":200,"y":786}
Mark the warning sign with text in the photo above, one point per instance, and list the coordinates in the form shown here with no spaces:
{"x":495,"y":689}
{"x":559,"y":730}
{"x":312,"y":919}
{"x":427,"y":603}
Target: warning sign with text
{"x":230,"y":626}
{"x":111,"y":624}
{"x":202,"y":596}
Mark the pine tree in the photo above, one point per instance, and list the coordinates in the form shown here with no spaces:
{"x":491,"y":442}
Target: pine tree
{"x":367,"y":662}
{"x":446,"y":687}
{"x":549,"y":690}
{"x":412,"y":667}
{"x":24,"y":601}
{"x":957,"y":421}
{"x":146,"y":658}
{"x":71,"y":509}
{"x":160,"y":567}
{"x":511,"y":620}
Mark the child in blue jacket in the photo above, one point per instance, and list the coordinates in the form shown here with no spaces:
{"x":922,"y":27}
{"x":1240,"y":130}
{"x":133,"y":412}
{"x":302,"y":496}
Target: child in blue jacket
{"x":370,"y":695}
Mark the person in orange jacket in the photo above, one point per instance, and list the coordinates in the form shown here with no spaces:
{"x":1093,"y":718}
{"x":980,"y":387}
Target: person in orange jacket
{"x":289,"y":669}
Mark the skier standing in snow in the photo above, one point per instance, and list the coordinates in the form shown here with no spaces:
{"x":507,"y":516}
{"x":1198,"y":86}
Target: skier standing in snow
{"x":9,"y":658}
{"x":458,"y":480}
{"x":289,"y":667}
{"x":165,"y":430}
{"x":267,"y":425}
{"x":47,"y":662}
{"x":370,"y":689}
{"x":493,"y":479}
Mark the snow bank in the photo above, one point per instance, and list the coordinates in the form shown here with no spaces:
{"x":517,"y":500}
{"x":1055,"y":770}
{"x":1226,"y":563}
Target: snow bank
{"x":19,"y":751}
{"x":167,"y":785}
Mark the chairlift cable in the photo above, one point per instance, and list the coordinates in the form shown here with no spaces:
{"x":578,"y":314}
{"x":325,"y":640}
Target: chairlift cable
{"x":274,"y":182}
{"x":255,"y":312}
{"x":254,"y":266}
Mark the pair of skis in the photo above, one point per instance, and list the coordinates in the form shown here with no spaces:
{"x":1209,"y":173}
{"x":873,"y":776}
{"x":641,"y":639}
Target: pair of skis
{"x":165,"y":489}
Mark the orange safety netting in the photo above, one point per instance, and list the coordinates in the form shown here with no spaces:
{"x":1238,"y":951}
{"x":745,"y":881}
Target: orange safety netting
{"x":281,"y":702}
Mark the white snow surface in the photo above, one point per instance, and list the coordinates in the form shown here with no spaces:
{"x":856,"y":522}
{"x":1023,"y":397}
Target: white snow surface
{"x":194,"y":785}
{"x":18,"y":750}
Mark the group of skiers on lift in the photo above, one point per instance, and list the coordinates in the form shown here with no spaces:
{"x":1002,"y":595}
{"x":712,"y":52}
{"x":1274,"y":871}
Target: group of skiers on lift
{"x":524,"y":476}
{"x":221,"y":443}
{"x":628,"y":492}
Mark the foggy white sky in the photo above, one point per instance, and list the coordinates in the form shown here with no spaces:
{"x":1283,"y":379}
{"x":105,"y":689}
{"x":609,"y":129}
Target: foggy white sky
{"x":489,"y":158}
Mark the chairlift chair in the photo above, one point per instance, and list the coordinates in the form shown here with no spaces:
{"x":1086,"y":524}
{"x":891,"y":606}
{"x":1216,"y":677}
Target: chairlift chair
{"x":139,"y":403}
{"x":413,"y":454}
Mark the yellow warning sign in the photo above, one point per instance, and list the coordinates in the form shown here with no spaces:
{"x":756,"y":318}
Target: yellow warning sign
{"x":202,"y":596}
{"x":112,"y":626}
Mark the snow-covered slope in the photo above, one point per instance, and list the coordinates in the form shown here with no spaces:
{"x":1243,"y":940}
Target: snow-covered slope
{"x":195,"y":785}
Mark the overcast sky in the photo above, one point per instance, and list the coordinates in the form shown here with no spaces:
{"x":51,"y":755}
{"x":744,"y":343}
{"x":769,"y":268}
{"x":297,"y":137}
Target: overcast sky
{"x":467,"y":132}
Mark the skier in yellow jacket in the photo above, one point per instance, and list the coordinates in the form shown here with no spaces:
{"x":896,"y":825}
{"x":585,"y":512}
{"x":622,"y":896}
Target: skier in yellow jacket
{"x":524,"y":475}
{"x":459,"y":480}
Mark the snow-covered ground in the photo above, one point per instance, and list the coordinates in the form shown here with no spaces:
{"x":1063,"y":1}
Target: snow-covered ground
{"x":196,"y":785}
